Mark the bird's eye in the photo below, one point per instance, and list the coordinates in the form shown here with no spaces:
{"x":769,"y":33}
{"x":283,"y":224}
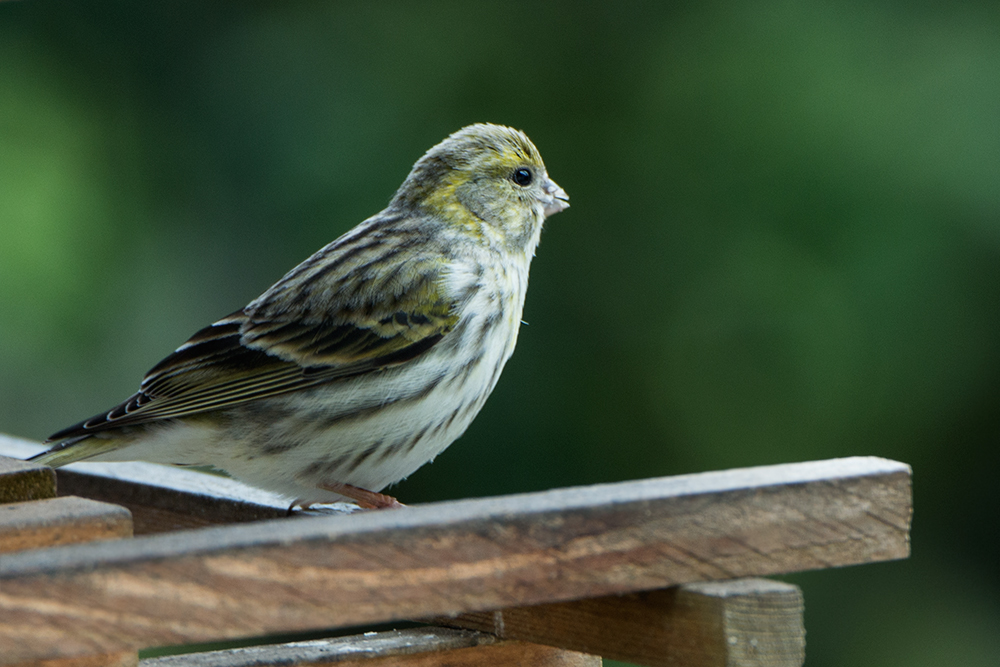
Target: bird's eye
{"x":523,"y":177}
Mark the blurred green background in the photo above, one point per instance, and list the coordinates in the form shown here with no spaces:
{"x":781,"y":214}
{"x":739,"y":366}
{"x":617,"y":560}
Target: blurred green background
{"x":784,"y":242}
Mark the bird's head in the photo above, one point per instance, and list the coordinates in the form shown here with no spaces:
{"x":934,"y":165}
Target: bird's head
{"x":487,"y":179}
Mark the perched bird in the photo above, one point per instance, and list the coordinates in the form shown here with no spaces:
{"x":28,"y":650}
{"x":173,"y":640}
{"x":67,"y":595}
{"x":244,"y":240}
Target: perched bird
{"x":366,"y":360}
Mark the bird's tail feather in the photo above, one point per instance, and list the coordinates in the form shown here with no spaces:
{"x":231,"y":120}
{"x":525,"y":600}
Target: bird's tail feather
{"x":75,"y":449}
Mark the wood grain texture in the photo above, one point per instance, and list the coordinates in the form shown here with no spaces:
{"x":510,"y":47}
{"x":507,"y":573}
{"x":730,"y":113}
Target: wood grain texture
{"x":450,"y":558}
{"x":117,"y":659}
{"x":419,"y":647}
{"x":740,"y":623}
{"x":57,"y":521}
{"x":21,"y":481}
{"x":761,"y":623}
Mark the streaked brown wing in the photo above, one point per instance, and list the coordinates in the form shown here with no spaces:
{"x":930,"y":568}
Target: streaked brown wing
{"x":345,"y":311}
{"x":214,"y":369}
{"x":338,"y":330}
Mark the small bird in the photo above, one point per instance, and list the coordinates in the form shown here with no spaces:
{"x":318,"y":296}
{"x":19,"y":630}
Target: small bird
{"x":366,"y":360}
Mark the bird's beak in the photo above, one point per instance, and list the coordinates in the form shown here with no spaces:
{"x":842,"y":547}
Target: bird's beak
{"x":555,"y":199}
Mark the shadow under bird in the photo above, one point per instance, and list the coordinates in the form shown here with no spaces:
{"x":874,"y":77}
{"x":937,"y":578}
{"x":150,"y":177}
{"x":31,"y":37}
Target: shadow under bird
{"x":366,"y":360}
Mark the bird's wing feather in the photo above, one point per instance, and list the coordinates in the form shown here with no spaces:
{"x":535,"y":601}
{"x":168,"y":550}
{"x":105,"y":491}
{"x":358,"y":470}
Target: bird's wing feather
{"x":268,"y":348}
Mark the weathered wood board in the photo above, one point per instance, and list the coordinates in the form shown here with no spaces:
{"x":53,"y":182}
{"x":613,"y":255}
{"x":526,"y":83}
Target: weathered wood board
{"x":739,"y":623}
{"x":56,"y":521}
{"x":451,"y":558}
{"x":419,"y":647}
{"x":23,"y":480}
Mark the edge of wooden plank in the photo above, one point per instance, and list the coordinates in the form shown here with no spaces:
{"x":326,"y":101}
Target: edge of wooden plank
{"x":443,"y":514}
{"x":419,"y":647}
{"x":22,"y":481}
{"x":389,"y":643}
{"x":57,"y":521}
{"x":721,"y":480}
{"x":118,"y":659}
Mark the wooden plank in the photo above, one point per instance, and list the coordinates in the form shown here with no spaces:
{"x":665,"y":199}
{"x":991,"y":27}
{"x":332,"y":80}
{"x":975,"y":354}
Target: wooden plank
{"x":21,"y":481}
{"x":739,"y":623}
{"x":449,"y":558}
{"x":418,"y":647}
{"x":57,"y":521}
{"x":155,"y":500}
{"x":761,"y":623}
{"x":33,"y":517}
{"x":118,"y":659}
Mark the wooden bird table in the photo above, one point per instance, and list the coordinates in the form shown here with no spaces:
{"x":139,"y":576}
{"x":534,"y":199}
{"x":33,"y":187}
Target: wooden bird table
{"x":654,"y":572}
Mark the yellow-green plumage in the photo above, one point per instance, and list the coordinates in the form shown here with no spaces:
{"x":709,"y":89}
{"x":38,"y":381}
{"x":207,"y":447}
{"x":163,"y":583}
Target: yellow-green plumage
{"x":370,"y":357}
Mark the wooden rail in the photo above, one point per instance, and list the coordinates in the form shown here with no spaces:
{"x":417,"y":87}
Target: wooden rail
{"x":601,"y":570}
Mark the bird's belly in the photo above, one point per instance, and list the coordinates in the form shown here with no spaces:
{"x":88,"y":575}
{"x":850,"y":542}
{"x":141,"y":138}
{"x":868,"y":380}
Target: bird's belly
{"x":370,"y":434}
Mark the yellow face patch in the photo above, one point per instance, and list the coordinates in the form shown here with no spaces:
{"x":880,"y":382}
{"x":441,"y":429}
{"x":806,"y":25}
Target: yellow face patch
{"x":468,"y":181}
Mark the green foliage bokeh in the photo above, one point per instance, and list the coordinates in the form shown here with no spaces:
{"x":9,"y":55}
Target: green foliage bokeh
{"x":784,"y":240}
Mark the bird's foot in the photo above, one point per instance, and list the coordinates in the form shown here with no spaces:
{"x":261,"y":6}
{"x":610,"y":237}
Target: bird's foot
{"x":300,"y":505}
{"x":365,"y":499}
